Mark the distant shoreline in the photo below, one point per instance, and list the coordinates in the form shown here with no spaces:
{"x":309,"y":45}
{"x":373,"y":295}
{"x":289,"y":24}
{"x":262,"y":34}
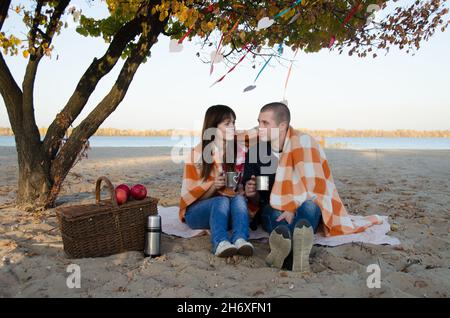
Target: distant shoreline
{"x":113,"y":132}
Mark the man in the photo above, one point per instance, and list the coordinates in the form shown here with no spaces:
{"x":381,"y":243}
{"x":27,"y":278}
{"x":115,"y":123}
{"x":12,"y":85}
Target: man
{"x":291,"y":235}
{"x":301,"y":193}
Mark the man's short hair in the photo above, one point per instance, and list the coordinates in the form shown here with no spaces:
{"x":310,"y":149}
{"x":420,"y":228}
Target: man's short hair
{"x":280,"y":111}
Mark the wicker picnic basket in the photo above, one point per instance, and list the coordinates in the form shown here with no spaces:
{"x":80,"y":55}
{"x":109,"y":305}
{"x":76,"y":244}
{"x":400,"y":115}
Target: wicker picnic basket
{"x":104,"y":228}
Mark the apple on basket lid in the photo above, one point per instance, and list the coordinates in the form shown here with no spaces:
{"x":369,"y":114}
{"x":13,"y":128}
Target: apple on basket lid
{"x":138,"y":192}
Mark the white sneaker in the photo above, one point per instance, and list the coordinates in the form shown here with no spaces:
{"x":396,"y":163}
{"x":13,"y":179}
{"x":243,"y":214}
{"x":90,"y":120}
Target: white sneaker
{"x":225,"y":249}
{"x":243,"y":247}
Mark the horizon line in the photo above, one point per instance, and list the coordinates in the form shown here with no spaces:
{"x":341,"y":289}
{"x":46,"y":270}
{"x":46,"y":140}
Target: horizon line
{"x":339,"y":132}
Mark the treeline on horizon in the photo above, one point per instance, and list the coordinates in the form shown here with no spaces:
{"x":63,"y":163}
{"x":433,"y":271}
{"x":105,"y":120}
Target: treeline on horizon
{"x":317,"y":133}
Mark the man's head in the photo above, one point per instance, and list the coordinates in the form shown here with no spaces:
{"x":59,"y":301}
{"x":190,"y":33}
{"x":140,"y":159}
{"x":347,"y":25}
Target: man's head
{"x":273,"y":116}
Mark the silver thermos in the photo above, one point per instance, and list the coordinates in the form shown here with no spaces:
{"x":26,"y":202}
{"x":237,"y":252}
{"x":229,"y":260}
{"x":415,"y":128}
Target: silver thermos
{"x":153,"y":236}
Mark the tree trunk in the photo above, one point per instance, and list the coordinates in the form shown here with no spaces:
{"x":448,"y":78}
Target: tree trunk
{"x":34,"y":176}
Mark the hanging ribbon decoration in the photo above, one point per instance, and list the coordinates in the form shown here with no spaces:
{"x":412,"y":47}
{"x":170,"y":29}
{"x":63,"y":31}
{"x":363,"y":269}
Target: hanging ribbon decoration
{"x":350,"y":15}
{"x":176,"y":46}
{"x":280,"y":51}
{"x":267,"y":22}
{"x":295,"y":17}
{"x":287,"y":9}
{"x":180,"y":41}
{"x":246,"y":48}
{"x":211,"y":69}
{"x":220,"y":45}
{"x":262,"y":68}
{"x":253,"y":86}
{"x":262,"y":24}
{"x":289,"y":75}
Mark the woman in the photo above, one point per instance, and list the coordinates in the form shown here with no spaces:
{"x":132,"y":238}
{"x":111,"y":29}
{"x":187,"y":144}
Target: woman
{"x":206,"y":202}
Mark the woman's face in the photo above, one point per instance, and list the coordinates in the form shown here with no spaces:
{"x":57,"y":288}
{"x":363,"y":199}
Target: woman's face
{"x":226,"y":129}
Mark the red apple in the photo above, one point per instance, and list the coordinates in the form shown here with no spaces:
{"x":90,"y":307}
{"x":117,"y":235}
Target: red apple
{"x":126,"y":188}
{"x":121,"y":196}
{"x":138,"y":192}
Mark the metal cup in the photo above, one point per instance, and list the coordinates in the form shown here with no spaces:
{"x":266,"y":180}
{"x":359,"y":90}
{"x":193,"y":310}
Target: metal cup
{"x":262,"y":183}
{"x":232,"y":179}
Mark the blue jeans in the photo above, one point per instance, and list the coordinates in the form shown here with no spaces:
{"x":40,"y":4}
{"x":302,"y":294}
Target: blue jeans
{"x":217,"y":214}
{"x":308,"y":210}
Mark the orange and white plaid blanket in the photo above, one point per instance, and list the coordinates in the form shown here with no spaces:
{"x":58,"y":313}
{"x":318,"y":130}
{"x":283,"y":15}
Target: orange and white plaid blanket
{"x":303,"y":173}
{"x":194,"y":186}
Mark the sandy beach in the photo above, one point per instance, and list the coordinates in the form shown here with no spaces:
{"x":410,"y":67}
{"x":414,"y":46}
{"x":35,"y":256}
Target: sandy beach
{"x":411,"y":187}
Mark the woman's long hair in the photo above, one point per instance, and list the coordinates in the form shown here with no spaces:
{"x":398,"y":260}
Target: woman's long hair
{"x":213,"y":117}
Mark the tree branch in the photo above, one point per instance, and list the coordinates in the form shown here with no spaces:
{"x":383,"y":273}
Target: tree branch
{"x":4,"y":7}
{"x":51,"y":28}
{"x":87,"y":84}
{"x":35,"y":24}
{"x":168,"y":33}
{"x":54,"y":20}
{"x":30,"y":128}
{"x":67,"y":155}
{"x":12,"y":95}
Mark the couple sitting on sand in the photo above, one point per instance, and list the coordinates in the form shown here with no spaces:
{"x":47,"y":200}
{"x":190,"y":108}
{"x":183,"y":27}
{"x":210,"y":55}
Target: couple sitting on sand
{"x":301,"y":194}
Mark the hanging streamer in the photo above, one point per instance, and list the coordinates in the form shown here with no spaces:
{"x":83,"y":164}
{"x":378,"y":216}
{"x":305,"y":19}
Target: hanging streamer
{"x":288,"y":76}
{"x":350,"y":15}
{"x":247,"y":49}
{"x":294,"y":18}
{"x":287,"y":10}
{"x":213,"y":60}
{"x":262,"y":69}
{"x":176,"y":46}
{"x":220,"y":43}
{"x":253,"y":86}
{"x":280,"y":52}
{"x":267,"y":22}
{"x":185,"y":36}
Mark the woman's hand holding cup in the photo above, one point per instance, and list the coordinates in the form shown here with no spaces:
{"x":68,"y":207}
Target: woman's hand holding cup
{"x":219,"y":182}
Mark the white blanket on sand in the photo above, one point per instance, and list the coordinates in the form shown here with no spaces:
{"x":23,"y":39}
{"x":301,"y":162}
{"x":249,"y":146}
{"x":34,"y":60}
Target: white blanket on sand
{"x":376,"y":234}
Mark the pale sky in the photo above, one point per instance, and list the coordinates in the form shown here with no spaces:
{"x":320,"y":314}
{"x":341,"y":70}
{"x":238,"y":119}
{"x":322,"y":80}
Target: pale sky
{"x":326,"y":90}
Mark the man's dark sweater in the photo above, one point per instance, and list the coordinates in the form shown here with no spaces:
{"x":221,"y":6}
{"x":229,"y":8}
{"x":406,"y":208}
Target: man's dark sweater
{"x":261,"y":160}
